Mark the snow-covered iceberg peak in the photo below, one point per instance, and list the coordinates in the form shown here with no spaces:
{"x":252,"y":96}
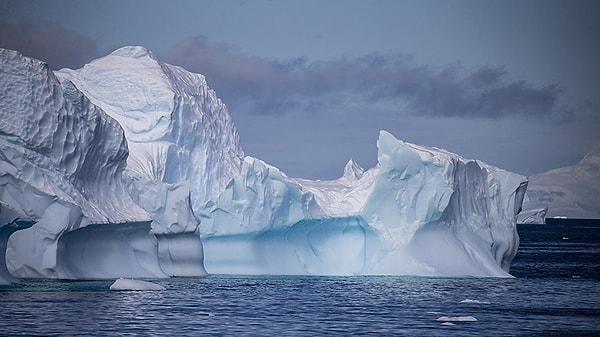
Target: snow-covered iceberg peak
{"x":353,"y":171}
{"x":176,"y":127}
{"x":56,"y":141}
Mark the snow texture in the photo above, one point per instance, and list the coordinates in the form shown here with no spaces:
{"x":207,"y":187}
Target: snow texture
{"x":118,"y":169}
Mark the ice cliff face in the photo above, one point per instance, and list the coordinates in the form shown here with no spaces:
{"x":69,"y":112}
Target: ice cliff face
{"x":56,"y":142}
{"x":62,"y":161}
{"x":421,"y":211}
{"x":427,"y":197}
{"x":118,"y":169}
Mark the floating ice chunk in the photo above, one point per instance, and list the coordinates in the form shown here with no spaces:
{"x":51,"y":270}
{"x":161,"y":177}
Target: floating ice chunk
{"x":131,"y":284}
{"x":457,"y":319}
{"x":469,"y":301}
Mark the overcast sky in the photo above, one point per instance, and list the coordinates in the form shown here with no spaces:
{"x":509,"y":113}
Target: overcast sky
{"x":310,"y":83}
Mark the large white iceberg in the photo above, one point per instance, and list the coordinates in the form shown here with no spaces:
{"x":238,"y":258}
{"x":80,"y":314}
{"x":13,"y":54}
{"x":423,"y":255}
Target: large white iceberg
{"x":118,"y":169}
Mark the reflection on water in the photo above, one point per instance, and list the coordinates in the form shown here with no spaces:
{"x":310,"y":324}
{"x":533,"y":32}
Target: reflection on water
{"x":555,"y":292}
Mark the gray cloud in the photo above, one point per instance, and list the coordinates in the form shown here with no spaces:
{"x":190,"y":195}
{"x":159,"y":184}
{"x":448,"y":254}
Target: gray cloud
{"x":387,"y":81}
{"x":49,"y":42}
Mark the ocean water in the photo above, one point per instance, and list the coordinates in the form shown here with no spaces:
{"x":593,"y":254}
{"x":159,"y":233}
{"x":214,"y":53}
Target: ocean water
{"x":556,"y":292}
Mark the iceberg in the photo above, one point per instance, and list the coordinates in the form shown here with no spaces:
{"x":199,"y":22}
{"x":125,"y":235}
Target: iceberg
{"x":66,"y":206}
{"x":131,"y":168}
{"x":420,"y":211}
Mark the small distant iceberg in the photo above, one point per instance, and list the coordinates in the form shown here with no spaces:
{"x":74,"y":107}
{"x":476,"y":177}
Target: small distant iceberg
{"x":131,"y":284}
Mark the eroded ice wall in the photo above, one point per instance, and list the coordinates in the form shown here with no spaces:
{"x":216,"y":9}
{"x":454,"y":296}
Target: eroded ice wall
{"x":421,"y":211}
{"x":62,"y":161}
{"x":440,"y":214}
{"x":55,"y":140}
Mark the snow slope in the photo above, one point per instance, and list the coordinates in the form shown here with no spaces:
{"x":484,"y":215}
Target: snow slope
{"x":572,"y":191}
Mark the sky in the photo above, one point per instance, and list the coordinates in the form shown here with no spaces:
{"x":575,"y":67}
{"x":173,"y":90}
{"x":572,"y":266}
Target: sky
{"x":309,"y":84}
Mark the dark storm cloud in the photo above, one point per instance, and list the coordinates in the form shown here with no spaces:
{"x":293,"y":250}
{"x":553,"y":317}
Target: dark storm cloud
{"x":386,"y":81}
{"x":49,"y":42}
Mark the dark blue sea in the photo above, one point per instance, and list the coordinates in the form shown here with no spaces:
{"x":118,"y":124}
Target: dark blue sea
{"x":556,"y":292}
